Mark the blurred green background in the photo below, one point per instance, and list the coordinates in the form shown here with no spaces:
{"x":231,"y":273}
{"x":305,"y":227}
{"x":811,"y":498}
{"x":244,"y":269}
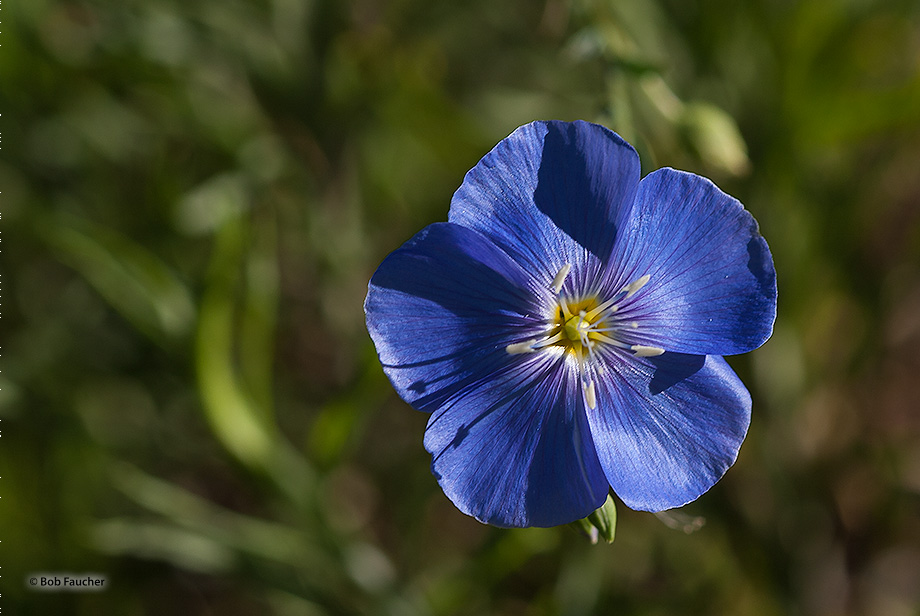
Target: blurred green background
{"x":194,"y":195}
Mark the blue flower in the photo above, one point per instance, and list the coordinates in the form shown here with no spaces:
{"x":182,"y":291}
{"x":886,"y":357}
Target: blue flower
{"x":565,"y":329}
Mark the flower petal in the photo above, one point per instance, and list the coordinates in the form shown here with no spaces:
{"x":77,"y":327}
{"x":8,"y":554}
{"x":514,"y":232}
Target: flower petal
{"x":510,"y":442}
{"x":712,"y":287}
{"x":442,"y":308}
{"x":516,"y":451}
{"x":551,"y":194}
{"x":667,"y":428}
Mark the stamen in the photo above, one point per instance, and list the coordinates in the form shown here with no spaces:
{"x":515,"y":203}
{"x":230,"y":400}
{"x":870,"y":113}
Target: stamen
{"x":608,"y":340}
{"x":560,"y":277}
{"x":551,"y":340}
{"x":529,"y":346}
{"x":635,"y":285}
{"x":646,"y":351}
{"x":591,"y":316}
{"x":590,"y":396}
{"x":566,"y":313}
{"x":521,"y":347}
{"x":624,"y":293}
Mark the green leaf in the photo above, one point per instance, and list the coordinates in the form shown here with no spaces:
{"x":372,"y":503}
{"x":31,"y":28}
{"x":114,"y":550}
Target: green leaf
{"x":141,"y":287}
{"x":715,"y":137}
{"x":246,"y":430}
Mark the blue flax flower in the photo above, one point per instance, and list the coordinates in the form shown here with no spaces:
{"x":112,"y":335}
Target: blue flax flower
{"x":565,"y":329}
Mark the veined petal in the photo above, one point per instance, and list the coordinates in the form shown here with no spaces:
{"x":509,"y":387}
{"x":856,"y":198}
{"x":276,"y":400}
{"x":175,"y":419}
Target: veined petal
{"x":516,"y":450}
{"x":667,"y":428}
{"x":442,"y":308}
{"x":551,"y":194}
{"x":712,"y":287}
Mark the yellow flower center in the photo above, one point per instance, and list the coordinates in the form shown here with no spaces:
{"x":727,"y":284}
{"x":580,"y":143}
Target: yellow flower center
{"x":577,"y":325}
{"x":577,"y":321}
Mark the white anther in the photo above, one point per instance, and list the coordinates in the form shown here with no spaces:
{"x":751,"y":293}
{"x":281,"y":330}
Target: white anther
{"x":520,"y":347}
{"x":646,"y":351}
{"x":635,"y":285}
{"x":560,"y":277}
{"x":590,"y":396}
